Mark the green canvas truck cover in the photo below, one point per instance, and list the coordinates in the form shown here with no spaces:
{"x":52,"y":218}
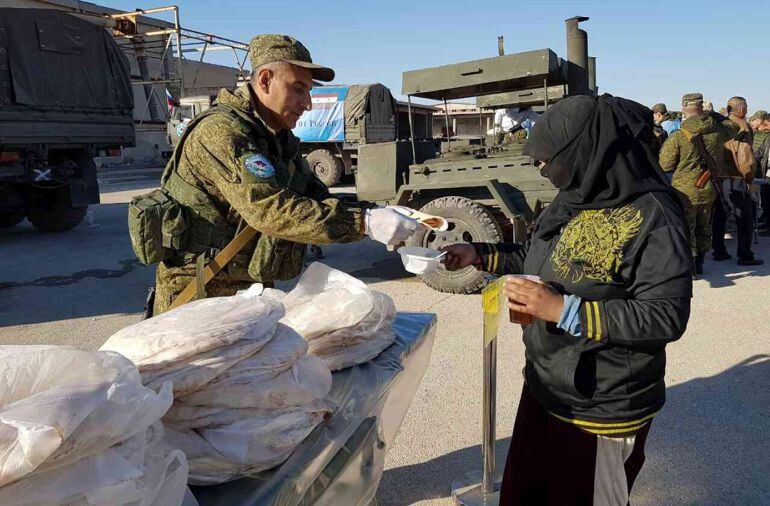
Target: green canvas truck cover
{"x":65,"y":73}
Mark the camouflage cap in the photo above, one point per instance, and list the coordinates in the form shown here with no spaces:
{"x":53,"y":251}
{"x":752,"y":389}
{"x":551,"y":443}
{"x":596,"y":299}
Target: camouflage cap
{"x":758,"y":115}
{"x":659,"y":108}
{"x":269,"y":48}
{"x":692,"y":99}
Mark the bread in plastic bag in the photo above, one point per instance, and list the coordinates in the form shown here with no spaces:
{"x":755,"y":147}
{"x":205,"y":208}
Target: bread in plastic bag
{"x":326,"y":300}
{"x":360,"y":343}
{"x":198,"y":327}
{"x":306,"y":381}
{"x":181,"y":416}
{"x":60,"y":405}
{"x":188,"y":377}
{"x":225,"y":452}
{"x":138,"y":472}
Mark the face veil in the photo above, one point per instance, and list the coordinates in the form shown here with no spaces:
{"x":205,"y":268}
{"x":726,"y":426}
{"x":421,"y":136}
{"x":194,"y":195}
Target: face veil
{"x":598,"y":153}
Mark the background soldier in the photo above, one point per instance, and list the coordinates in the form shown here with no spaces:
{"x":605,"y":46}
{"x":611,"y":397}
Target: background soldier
{"x":736,"y":191}
{"x":239,"y":162}
{"x":755,"y":121}
{"x":680,"y":156}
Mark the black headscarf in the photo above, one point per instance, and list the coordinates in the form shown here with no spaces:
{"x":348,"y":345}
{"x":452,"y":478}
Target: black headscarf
{"x":598,"y":152}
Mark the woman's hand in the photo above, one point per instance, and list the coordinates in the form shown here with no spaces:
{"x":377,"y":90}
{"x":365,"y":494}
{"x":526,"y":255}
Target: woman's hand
{"x":459,"y":256}
{"x":537,"y":299}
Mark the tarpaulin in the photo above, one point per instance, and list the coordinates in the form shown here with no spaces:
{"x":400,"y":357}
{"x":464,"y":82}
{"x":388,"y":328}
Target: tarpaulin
{"x":342,"y":460}
{"x":326,"y":121}
{"x":60,"y":61}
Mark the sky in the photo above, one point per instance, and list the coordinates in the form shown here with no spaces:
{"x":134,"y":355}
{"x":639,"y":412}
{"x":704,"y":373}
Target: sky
{"x":651,"y":51}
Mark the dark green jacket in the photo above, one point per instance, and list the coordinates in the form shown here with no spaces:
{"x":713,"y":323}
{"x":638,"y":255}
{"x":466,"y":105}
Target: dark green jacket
{"x":679,"y":155}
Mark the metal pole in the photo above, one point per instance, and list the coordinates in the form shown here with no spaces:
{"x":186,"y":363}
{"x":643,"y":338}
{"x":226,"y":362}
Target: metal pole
{"x":446,"y":121}
{"x":545,"y":92}
{"x":482,"y":132}
{"x":411,"y":127}
{"x":179,"y":51}
{"x":489,"y":418}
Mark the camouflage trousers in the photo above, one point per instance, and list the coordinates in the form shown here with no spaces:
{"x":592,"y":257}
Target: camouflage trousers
{"x":171,"y":281}
{"x":698,"y":218}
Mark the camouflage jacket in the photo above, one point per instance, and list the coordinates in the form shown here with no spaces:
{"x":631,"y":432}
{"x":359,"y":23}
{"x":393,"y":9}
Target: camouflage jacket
{"x":679,"y":155}
{"x":251,"y":173}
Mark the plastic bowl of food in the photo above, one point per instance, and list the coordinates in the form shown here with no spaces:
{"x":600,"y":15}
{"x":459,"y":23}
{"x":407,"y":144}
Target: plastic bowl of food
{"x":420,"y":260}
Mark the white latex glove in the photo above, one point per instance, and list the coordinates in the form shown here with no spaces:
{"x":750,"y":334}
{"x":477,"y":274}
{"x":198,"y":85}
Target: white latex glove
{"x":389,"y":226}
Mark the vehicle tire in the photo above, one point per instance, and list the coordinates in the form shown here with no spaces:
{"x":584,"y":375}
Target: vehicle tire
{"x":469,"y":221}
{"x":327,"y":167}
{"x":57,"y":220}
{"x":13,"y":218}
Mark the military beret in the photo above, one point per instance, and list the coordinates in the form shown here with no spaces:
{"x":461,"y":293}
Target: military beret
{"x":692,"y":99}
{"x":269,"y":48}
{"x":758,"y":115}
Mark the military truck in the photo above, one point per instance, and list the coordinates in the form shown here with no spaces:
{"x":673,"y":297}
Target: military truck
{"x":344,"y":118}
{"x":183,"y":113}
{"x":65,"y":95}
{"x":488,"y":193}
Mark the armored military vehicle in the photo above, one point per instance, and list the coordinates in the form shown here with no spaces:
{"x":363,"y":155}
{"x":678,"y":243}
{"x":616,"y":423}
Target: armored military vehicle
{"x":342,"y":119}
{"x":487,"y":193}
{"x":65,"y":95}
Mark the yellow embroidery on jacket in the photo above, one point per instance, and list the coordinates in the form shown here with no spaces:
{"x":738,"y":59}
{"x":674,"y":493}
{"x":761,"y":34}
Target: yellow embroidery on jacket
{"x":591,"y":244}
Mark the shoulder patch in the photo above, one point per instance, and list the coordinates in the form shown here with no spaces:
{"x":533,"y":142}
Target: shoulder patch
{"x":260,"y":166}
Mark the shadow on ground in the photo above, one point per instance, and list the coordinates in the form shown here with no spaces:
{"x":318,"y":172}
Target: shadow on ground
{"x":725,"y":273}
{"x":84,"y":272}
{"x":709,"y":446}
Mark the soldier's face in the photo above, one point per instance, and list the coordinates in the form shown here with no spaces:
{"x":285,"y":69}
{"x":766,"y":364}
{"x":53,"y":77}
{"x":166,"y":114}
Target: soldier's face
{"x":657,"y":117}
{"x":288,"y":95}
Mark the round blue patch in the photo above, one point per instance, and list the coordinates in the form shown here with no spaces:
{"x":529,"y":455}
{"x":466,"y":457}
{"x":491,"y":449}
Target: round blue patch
{"x":180,"y":128}
{"x":260,"y":166}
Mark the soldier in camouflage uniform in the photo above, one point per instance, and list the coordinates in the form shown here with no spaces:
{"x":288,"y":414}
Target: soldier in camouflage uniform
{"x":680,"y":157}
{"x":239,"y":162}
{"x":736,"y":192}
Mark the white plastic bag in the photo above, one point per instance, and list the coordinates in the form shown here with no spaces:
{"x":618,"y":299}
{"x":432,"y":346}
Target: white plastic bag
{"x":226,"y":452}
{"x":198,"y":327}
{"x":182,"y":417}
{"x":61,"y":405}
{"x":136,"y":472}
{"x":306,"y":381}
{"x":188,"y":377}
{"x":326,"y":300}
{"x":360,"y":343}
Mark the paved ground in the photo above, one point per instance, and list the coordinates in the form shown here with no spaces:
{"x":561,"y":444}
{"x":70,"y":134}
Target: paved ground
{"x":709,"y":446}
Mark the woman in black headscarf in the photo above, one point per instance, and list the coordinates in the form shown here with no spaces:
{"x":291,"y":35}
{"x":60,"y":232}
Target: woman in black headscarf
{"x":614,"y":263}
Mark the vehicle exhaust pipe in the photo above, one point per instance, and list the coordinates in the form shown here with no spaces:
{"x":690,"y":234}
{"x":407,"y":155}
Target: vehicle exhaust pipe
{"x":592,"y":75}
{"x":577,"y":56}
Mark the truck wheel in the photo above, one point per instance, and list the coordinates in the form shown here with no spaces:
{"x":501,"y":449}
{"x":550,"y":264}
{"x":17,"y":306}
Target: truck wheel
{"x":327,"y":167}
{"x":57,"y":220}
{"x":469,"y":221}
{"x":8,"y":220}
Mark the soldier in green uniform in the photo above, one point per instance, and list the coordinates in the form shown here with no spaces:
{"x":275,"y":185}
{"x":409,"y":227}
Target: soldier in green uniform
{"x":238,"y":163}
{"x":679,"y":156}
{"x":755,"y":121}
